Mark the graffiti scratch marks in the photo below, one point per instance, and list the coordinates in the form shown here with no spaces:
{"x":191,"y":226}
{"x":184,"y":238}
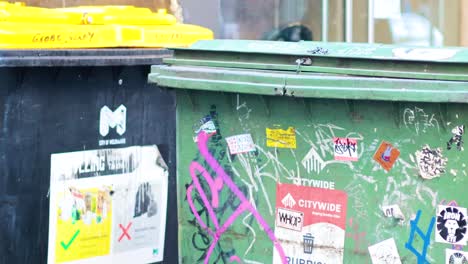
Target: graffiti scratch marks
{"x":215,"y":187}
{"x":357,"y":194}
{"x":419,"y":120}
{"x":426,"y":237}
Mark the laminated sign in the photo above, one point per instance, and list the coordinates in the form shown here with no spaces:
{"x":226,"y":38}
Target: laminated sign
{"x":311,"y":222}
{"x":108,"y":206}
{"x":280,"y":138}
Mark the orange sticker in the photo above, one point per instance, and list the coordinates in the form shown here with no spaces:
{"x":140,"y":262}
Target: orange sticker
{"x":386,"y":155}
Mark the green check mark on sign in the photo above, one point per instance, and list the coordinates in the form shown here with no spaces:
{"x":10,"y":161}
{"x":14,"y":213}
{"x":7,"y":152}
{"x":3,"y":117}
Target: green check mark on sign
{"x":66,"y":246}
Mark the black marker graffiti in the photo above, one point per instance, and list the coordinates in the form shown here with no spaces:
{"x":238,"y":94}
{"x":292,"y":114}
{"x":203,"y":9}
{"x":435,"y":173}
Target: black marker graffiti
{"x":431,"y":163}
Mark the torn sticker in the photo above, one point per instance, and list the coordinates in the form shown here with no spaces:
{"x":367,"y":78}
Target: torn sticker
{"x":206,"y":125}
{"x":455,"y":256}
{"x":385,"y":252}
{"x":280,"y":138}
{"x":393,"y":211}
{"x":386,"y":155}
{"x":456,"y":139}
{"x":430,"y":162}
{"x":451,"y":225}
{"x":345,"y":149}
{"x":240,"y":144}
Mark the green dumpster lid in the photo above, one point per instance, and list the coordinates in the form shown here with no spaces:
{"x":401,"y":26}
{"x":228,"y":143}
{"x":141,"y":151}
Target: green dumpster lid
{"x":338,"y":50}
{"x":319,"y":70}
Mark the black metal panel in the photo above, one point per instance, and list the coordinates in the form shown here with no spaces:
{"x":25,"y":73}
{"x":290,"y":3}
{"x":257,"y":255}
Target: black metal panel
{"x":81,"y":57}
{"x":45,"y":110}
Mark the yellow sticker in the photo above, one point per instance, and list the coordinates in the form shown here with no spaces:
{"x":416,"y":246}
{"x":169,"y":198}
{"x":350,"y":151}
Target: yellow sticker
{"x":280,"y":138}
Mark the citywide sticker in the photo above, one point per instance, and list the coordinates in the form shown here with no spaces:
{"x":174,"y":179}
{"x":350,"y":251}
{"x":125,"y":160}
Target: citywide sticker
{"x":313,"y":220}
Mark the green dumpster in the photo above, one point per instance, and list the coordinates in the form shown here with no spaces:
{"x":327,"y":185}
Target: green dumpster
{"x":312,"y":152}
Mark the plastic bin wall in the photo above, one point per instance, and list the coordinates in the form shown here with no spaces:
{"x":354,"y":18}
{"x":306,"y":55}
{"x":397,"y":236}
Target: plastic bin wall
{"x":303,"y":179}
{"x":51,"y":102}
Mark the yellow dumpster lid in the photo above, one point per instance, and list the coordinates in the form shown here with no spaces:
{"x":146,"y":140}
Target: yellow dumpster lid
{"x":23,"y":27}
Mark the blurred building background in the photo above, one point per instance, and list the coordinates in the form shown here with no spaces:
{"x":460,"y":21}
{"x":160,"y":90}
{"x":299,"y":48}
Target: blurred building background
{"x":413,"y":22}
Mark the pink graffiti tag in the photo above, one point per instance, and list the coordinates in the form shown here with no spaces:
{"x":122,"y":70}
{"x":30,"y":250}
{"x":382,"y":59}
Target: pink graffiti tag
{"x":216,"y":185}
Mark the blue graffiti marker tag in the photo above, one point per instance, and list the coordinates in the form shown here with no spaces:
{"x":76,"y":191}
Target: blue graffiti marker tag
{"x":426,"y":237}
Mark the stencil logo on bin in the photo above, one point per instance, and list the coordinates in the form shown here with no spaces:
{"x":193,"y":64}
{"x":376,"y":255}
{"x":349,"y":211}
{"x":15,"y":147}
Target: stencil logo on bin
{"x":288,"y":201}
{"x":113,"y":119}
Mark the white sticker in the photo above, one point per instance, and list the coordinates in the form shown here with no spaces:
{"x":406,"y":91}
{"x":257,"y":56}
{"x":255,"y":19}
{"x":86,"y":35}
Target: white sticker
{"x":424,"y":53}
{"x":345,"y":149}
{"x":385,"y":9}
{"x":455,"y":256}
{"x":240,"y":144}
{"x":289,"y":219}
{"x":393,"y":211}
{"x":451,"y":225}
{"x":385,"y":252}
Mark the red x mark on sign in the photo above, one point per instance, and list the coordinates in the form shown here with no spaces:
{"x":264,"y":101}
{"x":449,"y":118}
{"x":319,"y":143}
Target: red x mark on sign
{"x":125,"y":231}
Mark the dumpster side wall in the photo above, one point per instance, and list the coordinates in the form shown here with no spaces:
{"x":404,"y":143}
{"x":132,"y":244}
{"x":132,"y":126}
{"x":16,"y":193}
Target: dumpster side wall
{"x":318,"y":180}
{"x":57,"y":110}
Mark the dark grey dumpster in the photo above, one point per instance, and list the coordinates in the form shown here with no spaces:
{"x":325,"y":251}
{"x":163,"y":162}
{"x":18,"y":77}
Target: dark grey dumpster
{"x":87,"y":155}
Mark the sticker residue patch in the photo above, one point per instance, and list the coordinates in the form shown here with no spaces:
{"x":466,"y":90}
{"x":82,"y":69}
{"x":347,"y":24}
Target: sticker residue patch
{"x":386,"y":155}
{"x":280,"y":138}
{"x":385,"y":252}
{"x":240,"y":144}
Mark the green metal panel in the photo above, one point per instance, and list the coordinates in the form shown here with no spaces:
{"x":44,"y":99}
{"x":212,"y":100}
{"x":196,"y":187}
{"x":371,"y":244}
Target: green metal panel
{"x":334,"y":49}
{"x":334,"y":58}
{"x":228,"y":203}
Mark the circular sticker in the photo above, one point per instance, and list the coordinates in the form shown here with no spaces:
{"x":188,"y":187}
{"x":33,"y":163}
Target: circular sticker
{"x":458,"y":258}
{"x":451,"y":224}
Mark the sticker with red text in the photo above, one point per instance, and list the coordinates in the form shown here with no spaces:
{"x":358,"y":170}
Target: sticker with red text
{"x":345,"y":149}
{"x":240,"y":144}
{"x":313,"y":221}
